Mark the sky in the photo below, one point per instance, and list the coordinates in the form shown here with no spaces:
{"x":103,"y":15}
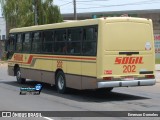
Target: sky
{"x":0,"y":11}
{"x":66,"y":6}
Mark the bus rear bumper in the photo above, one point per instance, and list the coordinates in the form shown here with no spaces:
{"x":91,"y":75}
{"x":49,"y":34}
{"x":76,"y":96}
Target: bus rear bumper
{"x":145,"y":82}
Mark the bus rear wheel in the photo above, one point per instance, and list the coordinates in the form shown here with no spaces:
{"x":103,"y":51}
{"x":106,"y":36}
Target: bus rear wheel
{"x":61,"y":82}
{"x":19,"y":78}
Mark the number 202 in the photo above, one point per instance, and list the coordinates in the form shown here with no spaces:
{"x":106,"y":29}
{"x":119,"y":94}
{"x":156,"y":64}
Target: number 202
{"x":129,"y":68}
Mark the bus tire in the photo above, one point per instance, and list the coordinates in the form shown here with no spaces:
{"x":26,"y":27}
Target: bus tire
{"x":18,"y":76}
{"x":61,"y":82}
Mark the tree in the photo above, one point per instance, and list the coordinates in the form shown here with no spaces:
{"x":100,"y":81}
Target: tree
{"x":20,"y":13}
{"x":51,"y":16}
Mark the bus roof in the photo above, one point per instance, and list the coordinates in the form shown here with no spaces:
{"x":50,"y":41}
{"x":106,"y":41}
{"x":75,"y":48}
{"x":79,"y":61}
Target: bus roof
{"x":77,"y":23}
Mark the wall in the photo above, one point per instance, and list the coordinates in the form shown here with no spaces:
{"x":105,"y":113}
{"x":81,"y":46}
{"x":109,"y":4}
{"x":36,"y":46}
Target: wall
{"x":2,"y":35}
{"x":2,"y":28}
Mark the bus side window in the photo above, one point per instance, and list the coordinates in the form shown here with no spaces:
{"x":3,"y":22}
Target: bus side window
{"x":89,"y":34}
{"x":47,"y":45}
{"x":60,"y":47}
{"x":89,"y":41}
{"x":36,"y":42}
{"x":27,"y":43}
{"x":60,"y":37}
{"x":74,"y":41}
{"x":19,"y":43}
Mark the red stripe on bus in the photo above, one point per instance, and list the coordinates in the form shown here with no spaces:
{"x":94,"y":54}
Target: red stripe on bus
{"x":67,"y":57}
{"x":30,"y":59}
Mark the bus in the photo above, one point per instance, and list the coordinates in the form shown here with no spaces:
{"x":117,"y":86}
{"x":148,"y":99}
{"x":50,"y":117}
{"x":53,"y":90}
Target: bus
{"x":98,"y":54}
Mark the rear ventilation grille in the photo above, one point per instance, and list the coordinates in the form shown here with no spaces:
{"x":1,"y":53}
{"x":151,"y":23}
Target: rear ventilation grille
{"x":146,"y":72}
{"x":128,"y":53}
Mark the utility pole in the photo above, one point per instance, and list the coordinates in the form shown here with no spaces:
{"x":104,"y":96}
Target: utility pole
{"x":35,"y":13}
{"x":75,"y":13}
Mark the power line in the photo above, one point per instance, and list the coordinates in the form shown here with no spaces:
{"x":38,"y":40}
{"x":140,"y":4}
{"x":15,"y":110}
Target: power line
{"x":65,"y":1}
{"x":74,"y":6}
{"x":65,"y":4}
{"x":120,"y":4}
{"x":137,"y":3}
{"x":109,"y":0}
{"x":79,"y":1}
{"x":116,"y":5}
{"x":93,"y":0}
{"x":141,"y":2}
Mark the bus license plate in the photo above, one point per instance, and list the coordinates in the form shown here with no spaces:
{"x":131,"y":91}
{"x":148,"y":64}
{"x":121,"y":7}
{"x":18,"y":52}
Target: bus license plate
{"x":128,"y":78}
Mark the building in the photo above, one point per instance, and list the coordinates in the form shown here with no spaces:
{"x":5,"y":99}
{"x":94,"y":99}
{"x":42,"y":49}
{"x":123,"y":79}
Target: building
{"x":2,"y":35}
{"x":2,"y":28}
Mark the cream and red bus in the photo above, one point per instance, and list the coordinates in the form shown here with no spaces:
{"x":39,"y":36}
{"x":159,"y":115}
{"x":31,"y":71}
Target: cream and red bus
{"x":98,"y":53}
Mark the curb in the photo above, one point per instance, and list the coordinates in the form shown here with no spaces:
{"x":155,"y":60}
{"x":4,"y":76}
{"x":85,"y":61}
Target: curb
{"x":3,"y":62}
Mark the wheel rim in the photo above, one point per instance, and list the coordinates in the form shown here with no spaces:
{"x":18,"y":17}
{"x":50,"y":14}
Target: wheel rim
{"x":60,"y":82}
{"x":18,"y":75}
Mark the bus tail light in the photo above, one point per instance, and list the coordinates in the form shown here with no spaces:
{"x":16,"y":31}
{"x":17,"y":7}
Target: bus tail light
{"x":107,"y":78}
{"x":150,"y":76}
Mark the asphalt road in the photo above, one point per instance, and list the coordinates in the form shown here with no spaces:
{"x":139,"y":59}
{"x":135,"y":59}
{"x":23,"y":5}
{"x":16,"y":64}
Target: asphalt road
{"x":146,"y":98}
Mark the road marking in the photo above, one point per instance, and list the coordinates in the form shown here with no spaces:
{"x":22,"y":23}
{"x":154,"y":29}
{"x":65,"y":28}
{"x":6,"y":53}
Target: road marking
{"x":48,"y":118}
